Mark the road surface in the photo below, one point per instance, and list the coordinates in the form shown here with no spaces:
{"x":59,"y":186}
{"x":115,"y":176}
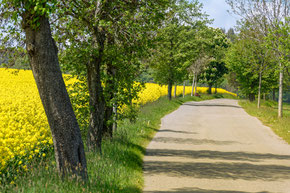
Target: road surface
{"x":214,"y":146}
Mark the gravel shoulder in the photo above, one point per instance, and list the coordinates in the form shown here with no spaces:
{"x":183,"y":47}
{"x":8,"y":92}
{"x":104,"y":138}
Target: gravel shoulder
{"x":214,"y":146}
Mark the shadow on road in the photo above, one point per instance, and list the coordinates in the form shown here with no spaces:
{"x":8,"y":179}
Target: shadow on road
{"x":174,"y":131}
{"x":203,"y":154}
{"x":192,"y":141}
{"x":198,"y":190}
{"x":211,"y":105}
{"x":219,"y":170}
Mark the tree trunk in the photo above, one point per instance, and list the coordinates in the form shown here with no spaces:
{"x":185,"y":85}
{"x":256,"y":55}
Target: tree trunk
{"x":259,"y":90}
{"x":175,"y":88}
{"x":195,"y":85}
{"x":274,"y":97}
{"x":280,"y":99}
{"x":115,"y":116}
{"x":264,"y":96}
{"x":108,"y":122}
{"x":209,"y":88}
{"x":42,"y":51}
{"x":192,"y":87}
{"x":183,"y":94}
{"x":110,"y":92}
{"x":97,"y":105}
{"x":169,"y":90}
{"x":97,"y":100}
{"x":215,"y":92}
{"x":251,"y":97}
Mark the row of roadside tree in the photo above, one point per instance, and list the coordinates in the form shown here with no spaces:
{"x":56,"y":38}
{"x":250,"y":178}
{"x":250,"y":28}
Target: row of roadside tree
{"x":107,"y":45}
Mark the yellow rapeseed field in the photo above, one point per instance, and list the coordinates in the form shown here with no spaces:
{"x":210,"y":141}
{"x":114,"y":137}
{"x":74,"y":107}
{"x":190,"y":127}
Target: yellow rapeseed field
{"x":153,"y":91}
{"x":24,"y":131}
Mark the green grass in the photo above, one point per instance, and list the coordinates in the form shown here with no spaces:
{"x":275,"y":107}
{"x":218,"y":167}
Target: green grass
{"x":118,"y":169}
{"x":268,"y":114}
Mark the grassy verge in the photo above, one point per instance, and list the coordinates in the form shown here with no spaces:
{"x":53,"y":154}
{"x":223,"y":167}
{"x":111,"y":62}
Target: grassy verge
{"x":268,"y":115}
{"x":118,"y":169}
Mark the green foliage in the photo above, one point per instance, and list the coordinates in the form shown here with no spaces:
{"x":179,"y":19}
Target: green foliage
{"x":175,"y":41}
{"x":231,"y":35}
{"x":248,"y":57}
{"x":216,"y":45}
{"x":26,"y":12}
{"x":164,"y":62}
{"x":15,"y":16}
{"x":279,"y":42}
{"x":115,"y":33}
{"x":213,"y":72}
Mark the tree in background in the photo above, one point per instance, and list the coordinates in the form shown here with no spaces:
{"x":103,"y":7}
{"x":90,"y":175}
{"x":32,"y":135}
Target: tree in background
{"x":212,"y":73}
{"x":195,"y":69}
{"x":261,"y":58}
{"x":32,"y":18}
{"x":167,"y":69}
{"x":248,"y":62}
{"x":215,"y":69}
{"x":265,"y":16}
{"x":237,"y":61}
{"x":195,"y":52}
{"x":281,"y":47}
{"x":231,"y":35}
{"x":168,"y":58}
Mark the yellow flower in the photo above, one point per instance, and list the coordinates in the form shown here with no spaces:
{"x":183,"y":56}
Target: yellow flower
{"x":23,"y":124}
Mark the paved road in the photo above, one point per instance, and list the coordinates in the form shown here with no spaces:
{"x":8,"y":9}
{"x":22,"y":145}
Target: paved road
{"x":216,"y":147}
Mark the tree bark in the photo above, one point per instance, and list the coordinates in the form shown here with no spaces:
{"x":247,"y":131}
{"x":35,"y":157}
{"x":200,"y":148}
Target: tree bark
{"x":209,"y":88}
{"x":108,"y":122}
{"x":175,"y":88}
{"x":195,"y":85}
{"x":259,"y":90}
{"x":115,"y":116}
{"x":97,"y":99}
{"x":169,"y":90}
{"x":280,"y":99}
{"x":215,"y":92}
{"x":273,"y":95}
{"x":110,"y":92}
{"x":183,"y":94}
{"x":42,"y":52}
{"x":251,"y":97}
{"x":97,"y":105}
{"x":264,"y":96}
{"x":192,"y":87}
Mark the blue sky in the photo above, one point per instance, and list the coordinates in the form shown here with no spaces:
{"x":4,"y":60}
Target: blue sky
{"x":217,"y":10}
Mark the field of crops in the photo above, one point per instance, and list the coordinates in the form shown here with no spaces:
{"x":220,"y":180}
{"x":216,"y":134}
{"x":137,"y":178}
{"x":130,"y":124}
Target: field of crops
{"x":153,"y":91}
{"x":24,"y":131}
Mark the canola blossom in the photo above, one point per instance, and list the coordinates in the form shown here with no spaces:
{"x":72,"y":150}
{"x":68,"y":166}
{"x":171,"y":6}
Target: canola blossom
{"x":24,"y":130}
{"x":152,"y":92}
